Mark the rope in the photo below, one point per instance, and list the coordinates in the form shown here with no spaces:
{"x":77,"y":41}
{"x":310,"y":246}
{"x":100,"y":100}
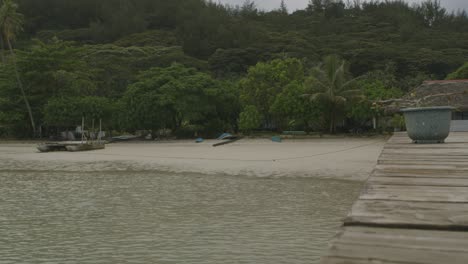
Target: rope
{"x":252,"y":160}
{"x":243,"y":160}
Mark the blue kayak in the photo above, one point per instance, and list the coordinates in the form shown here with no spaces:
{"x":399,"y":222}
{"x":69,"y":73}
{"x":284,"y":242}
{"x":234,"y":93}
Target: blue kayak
{"x":276,"y":139}
{"x":226,"y":136}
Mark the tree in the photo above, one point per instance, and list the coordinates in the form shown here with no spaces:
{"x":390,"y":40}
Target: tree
{"x":249,"y":119}
{"x":315,"y":6}
{"x":10,"y":24}
{"x":374,"y":88}
{"x":460,"y":73}
{"x":432,"y":12}
{"x":331,"y":85}
{"x":266,"y":81}
{"x":293,"y":111}
{"x":249,"y":9}
{"x":176,"y":98}
{"x":51,"y":70}
{"x":232,"y":62}
{"x":68,"y":111}
{"x":283,"y":9}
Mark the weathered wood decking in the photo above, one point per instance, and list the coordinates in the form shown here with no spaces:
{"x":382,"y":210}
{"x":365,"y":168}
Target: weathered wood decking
{"x":414,"y":208}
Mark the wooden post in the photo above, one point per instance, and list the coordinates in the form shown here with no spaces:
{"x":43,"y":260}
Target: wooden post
{"x":100,"y":130}
{"x":82,"y":130}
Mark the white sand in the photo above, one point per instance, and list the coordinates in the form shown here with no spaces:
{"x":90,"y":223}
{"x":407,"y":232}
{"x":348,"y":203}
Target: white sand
{"x":345,"y":158}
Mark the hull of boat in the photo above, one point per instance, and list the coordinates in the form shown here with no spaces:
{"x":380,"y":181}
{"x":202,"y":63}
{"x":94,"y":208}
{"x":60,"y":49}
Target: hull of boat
{"x":51,"y":147}
{"x":85,"y":147}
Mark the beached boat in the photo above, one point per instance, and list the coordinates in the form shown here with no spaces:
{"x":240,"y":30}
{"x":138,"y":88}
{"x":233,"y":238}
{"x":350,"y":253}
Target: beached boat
{"x":73,"y":146}
{"x":70,"y":146}
{"x":53,"y":146}
{"x":125,"y":138}
{"x":227,"y":139}
{"x":85,"y":147}
{"x":225,"y":136}
{"x":56,"y":146}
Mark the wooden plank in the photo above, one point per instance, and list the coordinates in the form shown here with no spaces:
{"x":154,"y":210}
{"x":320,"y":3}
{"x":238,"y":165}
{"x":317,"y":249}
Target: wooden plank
{"x":416,"y":239}
{"x":438,"y":152}
{"x":415,"y":169}
{"x":454,"y":147}
{"x":416,"y":193}
{"x":425,"y":156}
{"x":420,"y":181}
{"x":420,"y":168}
{"x":405,"y":145}
{"x":422,"y":174}
{"x":422,"y":215}
{"x":414,"y":208}
{"x":347,"y":260}
{"x":453,"y":164}
{"x":382,"y":245}
{"x":434,"y":162}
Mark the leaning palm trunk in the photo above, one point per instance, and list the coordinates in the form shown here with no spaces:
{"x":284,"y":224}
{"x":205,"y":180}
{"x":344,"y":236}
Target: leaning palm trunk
{"x":2,"y":47}
{"x":20,"y":85}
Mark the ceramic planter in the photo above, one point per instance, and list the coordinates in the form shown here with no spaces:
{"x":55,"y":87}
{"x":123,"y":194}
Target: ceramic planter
{"x":428,"y":125}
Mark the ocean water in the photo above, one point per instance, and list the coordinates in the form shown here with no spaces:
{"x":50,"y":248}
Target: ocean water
{"x":156,"y":217}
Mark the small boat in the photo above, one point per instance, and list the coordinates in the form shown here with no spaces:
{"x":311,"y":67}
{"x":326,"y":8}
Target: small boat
{"x":53,"y":146}
{"x":124,"y":138}
{"x":73,"y":146}
{"x":70,"y":146}
{"x":228,"y":141}
{"x":226,"y":136}
{"x":277,"y":139}
{"x":85,"y":147}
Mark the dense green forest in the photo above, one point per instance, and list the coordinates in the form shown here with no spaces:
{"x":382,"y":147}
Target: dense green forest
{"x":196,"y":67}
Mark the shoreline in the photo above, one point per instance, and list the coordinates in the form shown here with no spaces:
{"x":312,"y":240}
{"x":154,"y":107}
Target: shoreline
{"x":338,"y":158}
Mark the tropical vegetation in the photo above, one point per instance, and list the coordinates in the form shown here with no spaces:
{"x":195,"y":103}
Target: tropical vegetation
{"x":199,"y":68}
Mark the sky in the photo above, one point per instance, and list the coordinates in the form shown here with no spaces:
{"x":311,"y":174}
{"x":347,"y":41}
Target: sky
{"x":301,"y":4}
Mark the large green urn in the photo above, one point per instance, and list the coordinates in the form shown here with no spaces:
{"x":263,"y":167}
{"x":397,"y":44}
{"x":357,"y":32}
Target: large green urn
{"x":428,"y":125}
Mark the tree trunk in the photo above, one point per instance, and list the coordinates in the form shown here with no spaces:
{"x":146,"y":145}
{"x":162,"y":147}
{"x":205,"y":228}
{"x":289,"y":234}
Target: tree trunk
{"x":2,"y":46}
{"x":20,"y":85}
{"x":332,"y":121}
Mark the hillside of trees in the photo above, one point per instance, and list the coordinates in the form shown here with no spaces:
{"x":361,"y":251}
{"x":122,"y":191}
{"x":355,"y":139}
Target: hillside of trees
{"x":196,"y":67}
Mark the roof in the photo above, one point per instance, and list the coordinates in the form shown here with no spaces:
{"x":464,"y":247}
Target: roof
{"x":436,"y":93}
{"x":442,"y":93}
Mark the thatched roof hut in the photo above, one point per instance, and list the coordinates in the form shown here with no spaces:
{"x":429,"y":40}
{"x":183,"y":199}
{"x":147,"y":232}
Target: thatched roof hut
{"x":435,"y":93}
{"x":441,"y":93}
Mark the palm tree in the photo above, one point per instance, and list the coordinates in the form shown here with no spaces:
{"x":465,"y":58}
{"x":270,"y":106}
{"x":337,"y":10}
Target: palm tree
{"x":10,"y":24}
{"x":331,"y":85}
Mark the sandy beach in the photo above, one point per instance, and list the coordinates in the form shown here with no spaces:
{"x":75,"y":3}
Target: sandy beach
{"x":344,"y":158}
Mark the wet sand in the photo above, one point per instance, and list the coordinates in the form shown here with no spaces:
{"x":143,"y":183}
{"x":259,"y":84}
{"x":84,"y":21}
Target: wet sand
{"x":343,"y":158}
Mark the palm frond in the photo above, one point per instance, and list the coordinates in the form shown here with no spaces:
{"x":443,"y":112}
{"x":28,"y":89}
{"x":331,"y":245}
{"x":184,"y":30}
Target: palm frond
{"x":339,"y":100}
{"x":319,"y":97}
{"x":351,"y":93}
{"x":352,"y":81}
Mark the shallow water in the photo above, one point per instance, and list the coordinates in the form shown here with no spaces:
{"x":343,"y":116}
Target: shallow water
{"x":117,"y":217}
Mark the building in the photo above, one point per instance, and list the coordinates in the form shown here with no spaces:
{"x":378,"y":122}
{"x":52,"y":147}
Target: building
{"x":446,"y":93}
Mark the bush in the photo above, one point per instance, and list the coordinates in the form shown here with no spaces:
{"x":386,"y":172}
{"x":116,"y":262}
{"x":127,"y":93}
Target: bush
{"x":249,"y":119}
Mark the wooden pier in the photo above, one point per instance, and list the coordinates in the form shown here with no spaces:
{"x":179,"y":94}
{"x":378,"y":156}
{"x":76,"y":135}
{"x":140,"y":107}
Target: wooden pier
{"x":413,"y":210}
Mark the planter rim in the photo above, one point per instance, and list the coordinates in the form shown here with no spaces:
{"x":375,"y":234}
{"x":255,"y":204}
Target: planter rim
{"x":432,"y":108}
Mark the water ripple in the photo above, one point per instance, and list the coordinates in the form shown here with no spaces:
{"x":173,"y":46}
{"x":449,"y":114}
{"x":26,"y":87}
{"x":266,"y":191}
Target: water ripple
{"x":141,"y":217}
